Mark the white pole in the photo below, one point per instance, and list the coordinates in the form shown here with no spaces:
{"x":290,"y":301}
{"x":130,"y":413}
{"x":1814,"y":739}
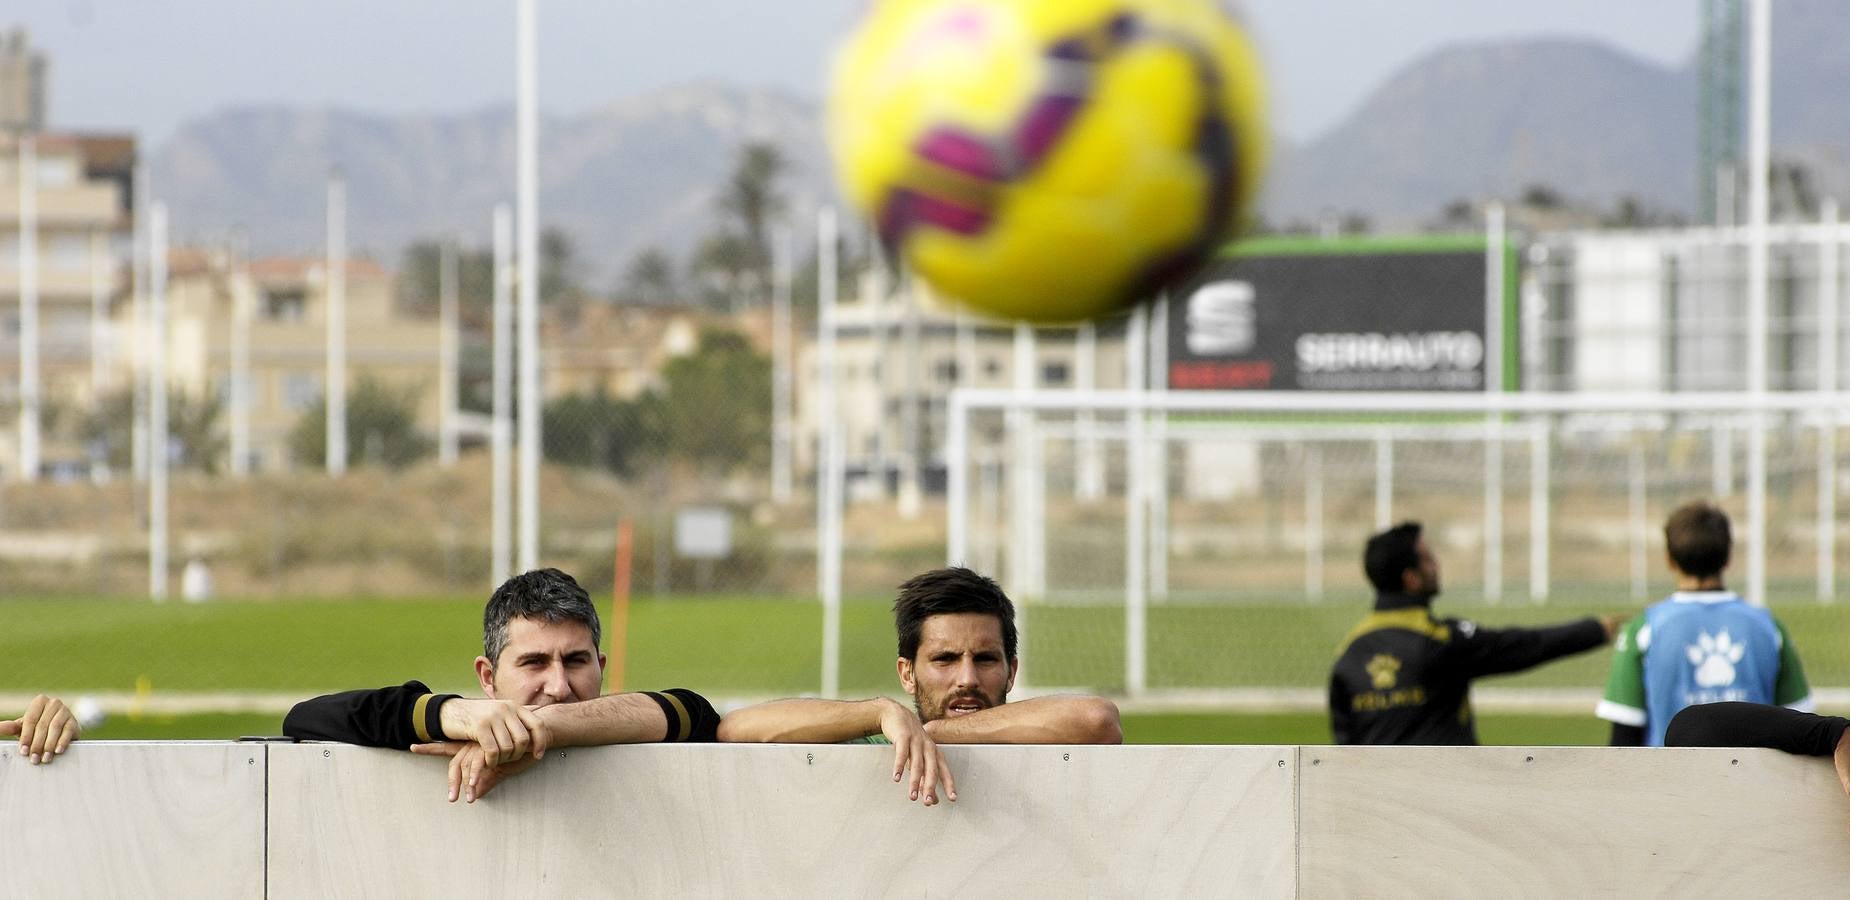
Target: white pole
{"x":447,"y":325}
{"x":875,"y":288}
{"x":501,"y":433}
{"x":157,"y":402}
{"x":1640,"y":531}
{"x":1722,"y":481}
{"x":833,"y":470}
{"x":1759,"y":99}
{"x":336,"y":287}
{"x":1828,"y":337}
{"x":100,"y":269}
{"x":242,"y":299}
{"x":1090,"y":482}
{"x":781,"y":463}
{"x":1493,"y":382}
{"x":528,"y":260}
{"x":1135,"y":507}
{"x":28,"y":310}
{"x":1384,"y":480}
{"x":957,"y":483}
{"x":138,"y":315}
{"x":1158,"y":484}
{"x":1313,"y":521}
{"x":1539,"y":513}
{"x":912,"y":453}
{"x":1021,"y":530}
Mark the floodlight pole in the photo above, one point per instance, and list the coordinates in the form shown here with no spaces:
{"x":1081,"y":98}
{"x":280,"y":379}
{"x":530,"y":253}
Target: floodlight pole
{"x":781,"y":260}
{"x":446,"y":353}
{"x":830,"y":474}
{"x":335,"y":288}
{"x":157,"y":402}
{"x":140,"y":257}
{"x":99,"y":314}
{"x":1759,"y":99}
{"x":501,"y":485}
{"x":1828,"y":338}
{"x":243,"y":292}
{"x":1493,"y":382}
{"x":28,"y":310}
{"x":527,"y":256}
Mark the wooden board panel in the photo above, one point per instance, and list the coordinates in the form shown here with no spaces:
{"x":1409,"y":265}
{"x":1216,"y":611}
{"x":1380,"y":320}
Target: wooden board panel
{"x":788,"y":820}
{"x":133,"y":819}
{"x":1569,"y":822}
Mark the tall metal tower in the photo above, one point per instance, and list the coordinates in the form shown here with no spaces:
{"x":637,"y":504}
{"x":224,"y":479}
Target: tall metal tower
{"x":1718,"y":174}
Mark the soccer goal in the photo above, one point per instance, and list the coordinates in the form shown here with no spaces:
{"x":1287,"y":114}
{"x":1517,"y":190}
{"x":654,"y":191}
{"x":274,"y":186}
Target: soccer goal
{"x":1163,"y":542}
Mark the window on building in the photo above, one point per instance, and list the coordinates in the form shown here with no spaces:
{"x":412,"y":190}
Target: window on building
{"x":58,"y":172}
{"x":945,"y":370}
{"x":992,"y":367}
{"x":69,"y":252}
{"x":300,"y":390}
{"x":1055,"y":374}
{"x":285,"y":304}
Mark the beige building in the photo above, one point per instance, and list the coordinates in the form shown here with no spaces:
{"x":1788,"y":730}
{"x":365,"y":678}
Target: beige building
{"x":287,"y":304}
{"x":620,"y":349}
{"x":83,"y":217}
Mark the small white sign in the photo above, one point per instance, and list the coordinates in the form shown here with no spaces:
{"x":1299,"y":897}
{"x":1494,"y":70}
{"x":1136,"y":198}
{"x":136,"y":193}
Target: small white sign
{"x":703,"y":532}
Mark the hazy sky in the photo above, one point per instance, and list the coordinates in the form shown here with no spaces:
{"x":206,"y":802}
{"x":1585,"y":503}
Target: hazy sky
{"x":149,"y":65}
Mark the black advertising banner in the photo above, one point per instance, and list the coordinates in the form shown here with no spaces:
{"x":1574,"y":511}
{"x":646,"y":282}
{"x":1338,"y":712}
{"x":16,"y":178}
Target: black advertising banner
{"x":1339,"y":316}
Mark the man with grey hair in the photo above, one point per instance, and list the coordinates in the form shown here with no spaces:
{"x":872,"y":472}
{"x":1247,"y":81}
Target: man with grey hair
{"x":540,"y":669}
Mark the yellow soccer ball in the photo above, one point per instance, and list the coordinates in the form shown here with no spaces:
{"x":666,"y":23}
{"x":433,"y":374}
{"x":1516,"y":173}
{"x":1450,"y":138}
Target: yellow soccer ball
{"x":1049,"y":160}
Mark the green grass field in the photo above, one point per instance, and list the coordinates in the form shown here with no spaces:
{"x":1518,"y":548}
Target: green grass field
{"x":742,"y":647}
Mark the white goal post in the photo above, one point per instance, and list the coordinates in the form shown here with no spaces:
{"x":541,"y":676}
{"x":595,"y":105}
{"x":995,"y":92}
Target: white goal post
{"x":1532,"y":417}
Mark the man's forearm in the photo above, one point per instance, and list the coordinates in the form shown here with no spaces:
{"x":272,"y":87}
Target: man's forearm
{"x":1069,"y":719}
{"x":672,"y":715}
{"x":803,"y":721}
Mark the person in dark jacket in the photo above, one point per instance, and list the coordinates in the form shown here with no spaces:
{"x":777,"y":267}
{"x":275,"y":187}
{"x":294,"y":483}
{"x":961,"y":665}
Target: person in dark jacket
{"x":1403,"y":675}
{"x":540,"y":671}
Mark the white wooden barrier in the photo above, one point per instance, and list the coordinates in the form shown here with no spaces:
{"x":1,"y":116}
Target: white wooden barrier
{"x":256,"y":820}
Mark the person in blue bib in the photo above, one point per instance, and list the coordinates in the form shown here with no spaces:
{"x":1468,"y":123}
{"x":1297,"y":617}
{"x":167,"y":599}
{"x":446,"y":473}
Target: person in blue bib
{"x":957,"y":641}
{"x":1703,"y":644}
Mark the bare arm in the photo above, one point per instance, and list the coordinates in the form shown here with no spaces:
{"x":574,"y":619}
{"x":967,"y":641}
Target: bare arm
{"x":806,"y":721}
{"x":1058,"y":719}
{"x":610,"y":719}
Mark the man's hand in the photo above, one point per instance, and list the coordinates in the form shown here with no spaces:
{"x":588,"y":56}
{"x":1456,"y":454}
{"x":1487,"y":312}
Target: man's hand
{"x":1612,"y":624}
{"x":471,"y":775}
{"x":505,"y":731}
{"x":915,"y":751}
{"x":46,"y":730}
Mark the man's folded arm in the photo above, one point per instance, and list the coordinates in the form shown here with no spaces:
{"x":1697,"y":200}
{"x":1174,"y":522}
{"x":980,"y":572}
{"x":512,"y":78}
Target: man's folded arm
{"x":673,"y":715}
{"x":804,"y":721}
{"x":1056,"y":719}
{"x":1753,"y":725}
{"x":394,"y":717}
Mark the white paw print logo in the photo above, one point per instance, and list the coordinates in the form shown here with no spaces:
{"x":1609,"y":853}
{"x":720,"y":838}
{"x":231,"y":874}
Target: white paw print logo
{"x":1714,"y":659}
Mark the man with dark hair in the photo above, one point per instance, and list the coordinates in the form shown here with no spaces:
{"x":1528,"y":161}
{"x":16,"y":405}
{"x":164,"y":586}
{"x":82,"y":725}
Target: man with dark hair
{"x":1403,"y":676}
{"x":1703,"y":644}
{"x":540,"y":669}
{"x":957,"y":643}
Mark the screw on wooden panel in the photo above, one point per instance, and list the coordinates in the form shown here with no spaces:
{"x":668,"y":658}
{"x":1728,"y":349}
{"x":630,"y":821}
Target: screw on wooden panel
{"x":250,"y":761}
{"x":1066,"y":757}
{"x":1316,"y":762}
{"x":1528,"y":759}
{"x":562,"y":754}
{"x":810,"y":759}
{"x":1734,"y":762}
{"x":1281,"y":763}
{"x":327,"y":753}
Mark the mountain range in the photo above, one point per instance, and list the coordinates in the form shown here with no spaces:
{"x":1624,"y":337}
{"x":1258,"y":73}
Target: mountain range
{"x":1464,"y":122}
